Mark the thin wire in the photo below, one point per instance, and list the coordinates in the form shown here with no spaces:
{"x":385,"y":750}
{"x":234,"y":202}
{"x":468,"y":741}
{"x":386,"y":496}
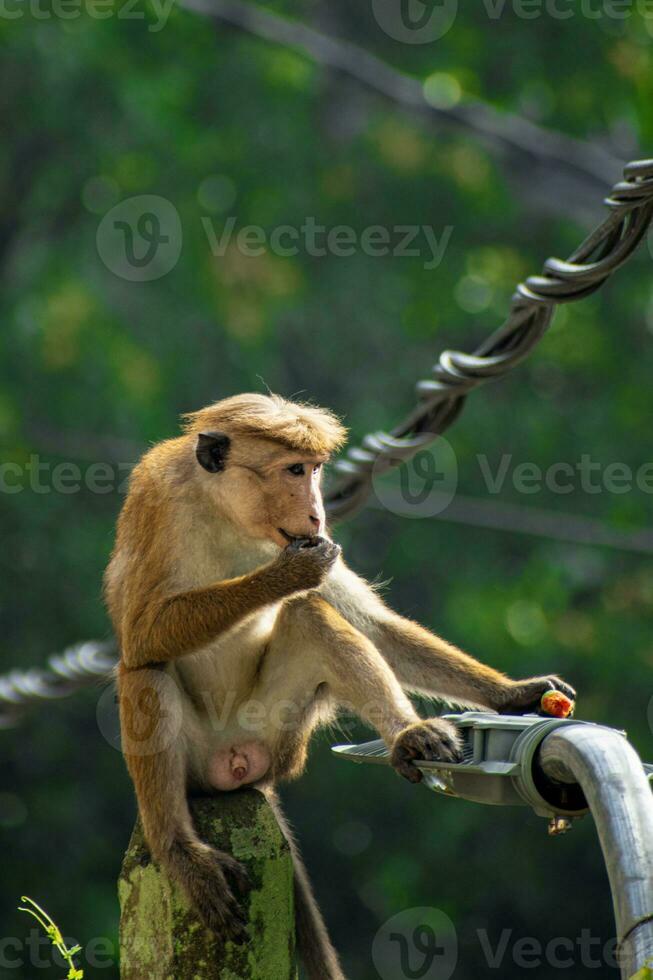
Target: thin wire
{"x":514,"y":518}
{"x":519,"y":142}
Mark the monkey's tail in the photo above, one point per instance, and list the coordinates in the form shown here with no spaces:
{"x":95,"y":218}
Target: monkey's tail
{"x":315,"y":948}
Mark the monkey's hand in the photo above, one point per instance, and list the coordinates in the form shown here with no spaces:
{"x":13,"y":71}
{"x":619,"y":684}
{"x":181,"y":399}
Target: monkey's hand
{"x":306,"y":562}
{"x":522,"y":697}
{"x":430,"y":738}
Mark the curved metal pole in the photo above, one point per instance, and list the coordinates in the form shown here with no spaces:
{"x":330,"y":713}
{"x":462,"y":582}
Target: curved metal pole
{"x":610,"y":774}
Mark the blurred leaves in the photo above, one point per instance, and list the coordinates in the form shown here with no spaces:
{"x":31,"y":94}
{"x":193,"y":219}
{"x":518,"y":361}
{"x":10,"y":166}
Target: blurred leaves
{"x":93,"y":367}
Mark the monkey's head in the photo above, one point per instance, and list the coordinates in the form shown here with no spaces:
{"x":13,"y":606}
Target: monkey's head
{"x":259,"y":459}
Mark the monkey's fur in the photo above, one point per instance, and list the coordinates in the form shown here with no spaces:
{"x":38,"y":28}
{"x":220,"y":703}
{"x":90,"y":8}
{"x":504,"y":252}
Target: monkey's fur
{"x":237,"y":619}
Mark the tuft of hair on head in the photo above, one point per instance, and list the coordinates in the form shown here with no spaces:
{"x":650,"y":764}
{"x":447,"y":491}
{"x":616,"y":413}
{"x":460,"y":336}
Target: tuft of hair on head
{"x":299,"y":426}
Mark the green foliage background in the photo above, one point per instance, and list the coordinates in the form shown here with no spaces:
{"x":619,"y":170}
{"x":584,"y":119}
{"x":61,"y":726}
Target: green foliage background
{"x":93,"y":368}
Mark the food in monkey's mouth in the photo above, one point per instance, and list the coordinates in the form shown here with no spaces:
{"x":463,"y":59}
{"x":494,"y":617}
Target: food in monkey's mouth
{"x":300,"y":540}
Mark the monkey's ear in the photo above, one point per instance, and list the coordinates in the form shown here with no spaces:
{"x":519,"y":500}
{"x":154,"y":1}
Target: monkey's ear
{"x":211,"y":450}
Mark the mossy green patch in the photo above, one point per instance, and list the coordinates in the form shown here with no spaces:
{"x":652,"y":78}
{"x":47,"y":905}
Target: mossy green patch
{"x":160,"y":935}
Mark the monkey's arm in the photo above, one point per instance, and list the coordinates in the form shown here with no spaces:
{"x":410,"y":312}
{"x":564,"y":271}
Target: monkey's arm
{"x":423,"y":661}
{"x":164,"y":627}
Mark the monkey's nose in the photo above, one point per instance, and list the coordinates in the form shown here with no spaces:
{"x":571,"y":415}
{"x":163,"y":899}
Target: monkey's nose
{"x":239,"y":773}
{"x":315,"y":521}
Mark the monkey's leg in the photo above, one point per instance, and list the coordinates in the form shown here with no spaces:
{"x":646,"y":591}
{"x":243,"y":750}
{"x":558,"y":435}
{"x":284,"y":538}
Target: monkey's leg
{"x":312,"y":648}
{"x":315,"y":650}
{"x":154,"y":751}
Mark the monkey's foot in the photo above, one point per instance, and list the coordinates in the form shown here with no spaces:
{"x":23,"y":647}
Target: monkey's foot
{"x":525,"y":696}
{"x":430,"y":739}
{"x":211,"y":877}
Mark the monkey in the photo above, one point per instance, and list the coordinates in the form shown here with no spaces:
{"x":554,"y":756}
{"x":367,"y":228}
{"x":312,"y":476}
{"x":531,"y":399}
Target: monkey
{"x":241,"y":629}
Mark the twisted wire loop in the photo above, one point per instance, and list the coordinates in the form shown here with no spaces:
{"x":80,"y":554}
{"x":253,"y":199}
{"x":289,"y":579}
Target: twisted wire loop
{"x":78,"y":666}
{"x":440,"y":400}
{"x":442,"y":397}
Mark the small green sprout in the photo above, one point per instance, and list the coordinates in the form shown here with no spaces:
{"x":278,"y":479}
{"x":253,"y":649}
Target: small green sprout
{"x":53,"y":933}
{"x":646,"y":972}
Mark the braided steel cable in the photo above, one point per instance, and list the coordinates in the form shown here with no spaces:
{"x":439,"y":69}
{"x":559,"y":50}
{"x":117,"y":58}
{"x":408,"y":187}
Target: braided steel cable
{"x":442,"y":397}
{"x":78,"y":666}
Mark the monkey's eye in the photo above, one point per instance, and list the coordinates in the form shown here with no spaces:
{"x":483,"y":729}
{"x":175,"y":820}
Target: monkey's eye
{"x":297,"y":469}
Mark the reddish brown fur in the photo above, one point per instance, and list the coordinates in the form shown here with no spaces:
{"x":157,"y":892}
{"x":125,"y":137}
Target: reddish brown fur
{"x":301,"y":427}
{"x":214,"y":613}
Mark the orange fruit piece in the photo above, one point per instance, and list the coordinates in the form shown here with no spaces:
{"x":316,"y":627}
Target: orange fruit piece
{"x":557,"y":704}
